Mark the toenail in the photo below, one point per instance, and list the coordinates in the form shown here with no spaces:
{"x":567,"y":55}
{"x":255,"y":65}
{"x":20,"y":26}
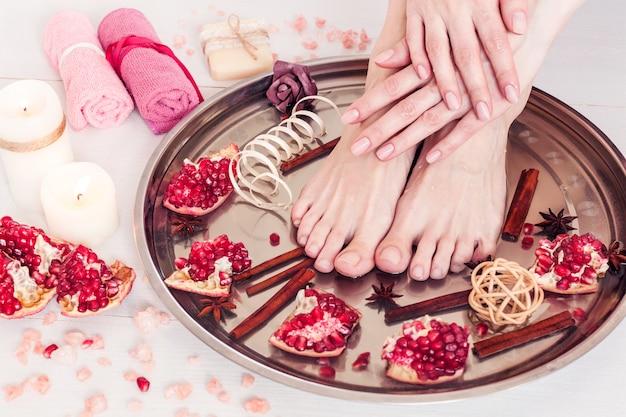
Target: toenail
{"x":313,"y":250}
{"x":324,"y":265}
{"x":391,"y":255}
{"x":417,"y":273}
{"x":351,"y":258}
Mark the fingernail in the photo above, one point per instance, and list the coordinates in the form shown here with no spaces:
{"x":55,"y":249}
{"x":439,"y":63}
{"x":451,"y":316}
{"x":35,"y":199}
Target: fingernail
{"x":452,"y":101}
{"x":511,"y":93}
{"x":360,"y":146}
{"x":519,"y":22}
{"x":391,"y":255}
{"x":351,"y":258}
{"x":482,"y":110}
{"x":385,"y":151}
{"x":350,"y":116}
{"x":383,"y":56}
{"x":433,"y":156}
{"x":421,"y":72}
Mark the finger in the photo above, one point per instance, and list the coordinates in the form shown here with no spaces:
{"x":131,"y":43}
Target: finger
{"x":438,"y":49}
{"x":466,"y":127}
{"x":495,"y":43}
{"x":393,"y":88}
{"x":415,"y":40}
{"x":398,"y":117}
{"x":396,"y":57}
{"x":514,"y":15}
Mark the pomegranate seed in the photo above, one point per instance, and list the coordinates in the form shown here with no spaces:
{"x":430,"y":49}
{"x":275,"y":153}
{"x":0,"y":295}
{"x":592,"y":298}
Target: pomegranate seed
{"x":327,"y":372}
{"x":274,"y":239}
{"x":579,"y":315}
{"x":361,"y":362}
{"x":528,"y":228}
{"x":482,"y":329}
{"x":47,"y":352}
{"x":143,"y":384}
{"x":527,"y":242}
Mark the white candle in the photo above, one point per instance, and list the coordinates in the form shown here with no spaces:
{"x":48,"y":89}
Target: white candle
{"x":33,"y":138}
{"x":79,"y":203}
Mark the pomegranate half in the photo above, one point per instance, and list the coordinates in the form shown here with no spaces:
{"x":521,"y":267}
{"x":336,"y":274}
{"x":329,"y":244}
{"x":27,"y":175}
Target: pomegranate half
{"x":570,"y":264}
{"x":427,"y":351}
{"x":319,"y":326}
{"x":201,"y":187}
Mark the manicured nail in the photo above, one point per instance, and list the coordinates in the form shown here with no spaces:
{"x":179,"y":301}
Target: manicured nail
{"x":511,"y":93}
{"x":433,"y":156}
{"x":350,"y":116}
{"x":383,"y":56}
{"x":384,"y":151}
{"x":360,"y":146}
{"x":519,"y":22}
{"x":421,"y":72}
{"x":452,"y":101}
{"x":482,"y":110}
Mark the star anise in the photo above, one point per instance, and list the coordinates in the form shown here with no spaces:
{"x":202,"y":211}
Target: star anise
{"x":185,"y":226}
{"x":472,"y":265}
{"x":555,"y":224}
{"x":217,"y":307}
{"x":617,"y":256}
{"x":383,"y":297}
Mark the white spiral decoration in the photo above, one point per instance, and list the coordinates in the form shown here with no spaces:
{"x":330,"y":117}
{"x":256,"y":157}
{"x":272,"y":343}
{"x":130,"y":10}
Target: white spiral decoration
{"x":257,"y":178}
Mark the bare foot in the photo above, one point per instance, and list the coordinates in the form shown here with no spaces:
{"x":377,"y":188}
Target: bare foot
{"x":350,"y":200}
{"x":451,"y":210}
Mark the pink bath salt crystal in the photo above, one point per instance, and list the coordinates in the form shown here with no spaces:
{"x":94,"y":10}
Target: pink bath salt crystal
{"x":149,"y":319}
{"x":183,"y":412}
{"x":135,"y":405}
{"x":38,"y":348}
{"x":39,"y":383}
{"x":11,"y":392}
{"x":181,"y":391}
{"x":85,"y":413}
{"x":213,"y":386}
{"x":272,"y":28}
{"x":21,"y":352}
{"x":65,"y":355}
{"x":74,"y":338}
{"x":223,"y":397}
{"x":49,"y":319}
{"x":179,"y":41}
{"x":96,"y":404}
{"x":130,"y":376}
{"x":310,"y":44}
{"x":300,"y":23}
{"x":104,"y":361}
{"x":247,"y":380}
{"x":257,"y":405}
{"x":97,"y":342}
{"x":83,"y":374}
{"x":365,"y":37}
{"x":348,"y":41}
{"x":32,"y":335}
{"x":193,"y":360}
{"x":190,"y":52}
{"x":143,"y":352}
{"x":319,"y":22}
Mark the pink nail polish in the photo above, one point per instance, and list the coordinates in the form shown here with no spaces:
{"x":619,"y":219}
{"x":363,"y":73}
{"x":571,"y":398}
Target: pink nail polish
{"x":350,"y":116}
{"x":360,"y":146}
{"x":433,"y":156}
{"x":385,"y":151}
{"x":452,"y":101}
{"x":510,"y":93}
{"x":383,"y":56}
{"x":482,"y":111}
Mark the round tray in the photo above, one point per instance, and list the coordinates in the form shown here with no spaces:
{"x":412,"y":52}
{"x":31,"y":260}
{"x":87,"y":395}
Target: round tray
{"x":580,"y":171}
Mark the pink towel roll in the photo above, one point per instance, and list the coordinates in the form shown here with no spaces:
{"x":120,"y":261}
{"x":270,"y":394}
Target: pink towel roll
{"x":163,"y":90}
{"x":94,"y":93}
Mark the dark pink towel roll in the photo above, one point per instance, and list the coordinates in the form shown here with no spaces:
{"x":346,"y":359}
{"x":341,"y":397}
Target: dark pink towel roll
{"x":94,"y":93}
{"x":163,"y":90}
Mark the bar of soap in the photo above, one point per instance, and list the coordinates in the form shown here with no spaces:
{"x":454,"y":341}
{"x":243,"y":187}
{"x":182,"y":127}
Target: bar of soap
{"x":236,"y":48}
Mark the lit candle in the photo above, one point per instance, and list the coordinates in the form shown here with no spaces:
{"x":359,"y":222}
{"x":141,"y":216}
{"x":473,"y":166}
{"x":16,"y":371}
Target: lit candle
{"x":33,"y":138}
{"x":79,"y":203}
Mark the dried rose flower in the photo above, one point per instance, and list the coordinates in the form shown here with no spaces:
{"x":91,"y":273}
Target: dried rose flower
{"x":290,"y":83}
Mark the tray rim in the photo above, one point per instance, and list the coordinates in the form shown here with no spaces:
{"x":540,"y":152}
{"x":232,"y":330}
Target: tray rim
{"x":316,"y":66}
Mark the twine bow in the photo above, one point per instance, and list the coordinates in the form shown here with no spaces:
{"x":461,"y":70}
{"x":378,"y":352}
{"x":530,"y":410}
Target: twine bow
{"x":117,"y":51}
{"x":242,"y":38}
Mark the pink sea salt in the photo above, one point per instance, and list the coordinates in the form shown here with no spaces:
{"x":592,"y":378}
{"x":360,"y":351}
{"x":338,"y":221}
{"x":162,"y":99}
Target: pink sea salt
{"x":74,"y":338}
{"x":83,"y":374}
{"x":213,"y":386}
{"x":181,"y":391}
{"x":143,"y":352}
{"x":65,"y":355}
{"x":49,"y":319}
{"x":300,"y":23}
{"x":11,"y":392}
{"x":146,"y":321}
{"x":135,"y":405}
{"x":223,"y":397}
{"x":31,"y":335}
{"x":257,"y":405}
{"x":104,"y":361}
{"x":247,"y":380}
{"x":96,"y":404}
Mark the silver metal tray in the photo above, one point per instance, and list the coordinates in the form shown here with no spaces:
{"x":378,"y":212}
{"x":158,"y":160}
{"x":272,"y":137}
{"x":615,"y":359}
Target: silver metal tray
{"x":580,"y":170}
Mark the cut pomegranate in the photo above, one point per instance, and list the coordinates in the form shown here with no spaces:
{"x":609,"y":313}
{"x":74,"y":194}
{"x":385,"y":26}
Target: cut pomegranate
{"x":209,"y":268}
{"x":41,"y":266}
{"x":427,"y":351}
{"x":319,"y":326}
{"x":570,"y":264}
{"x":201,"y":187}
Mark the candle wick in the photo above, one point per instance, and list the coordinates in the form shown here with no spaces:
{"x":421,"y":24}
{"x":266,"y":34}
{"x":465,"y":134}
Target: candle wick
{"x":78,"y":196}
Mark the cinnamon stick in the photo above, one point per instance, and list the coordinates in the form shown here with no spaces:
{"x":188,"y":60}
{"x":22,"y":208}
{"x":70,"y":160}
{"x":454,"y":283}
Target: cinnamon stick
{"x":275,"y":279}
{"x":526,"y":334}
{"x":520,"y":204}
{"x":444,"y":302}
{"x":269,"y":264}
{"x":301,"y":159}
{"x":274,"y":304}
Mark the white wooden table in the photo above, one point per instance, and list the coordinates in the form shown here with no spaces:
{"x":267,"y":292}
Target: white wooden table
{"x":585,"y":69}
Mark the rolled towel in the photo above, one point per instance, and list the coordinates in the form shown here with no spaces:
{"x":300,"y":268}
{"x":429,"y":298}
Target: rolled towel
{"x":163,"y":90}
{"x":94,"y":93}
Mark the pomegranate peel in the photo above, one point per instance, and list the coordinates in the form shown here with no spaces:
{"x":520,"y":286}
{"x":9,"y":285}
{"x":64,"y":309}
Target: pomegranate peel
{"x":200,"y":187}
{"x":570,"y":264}
{"x":319,"y":326}
{"x":427,"y":351}
{"x":209,"y":267}
{"x":20,"y":296}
